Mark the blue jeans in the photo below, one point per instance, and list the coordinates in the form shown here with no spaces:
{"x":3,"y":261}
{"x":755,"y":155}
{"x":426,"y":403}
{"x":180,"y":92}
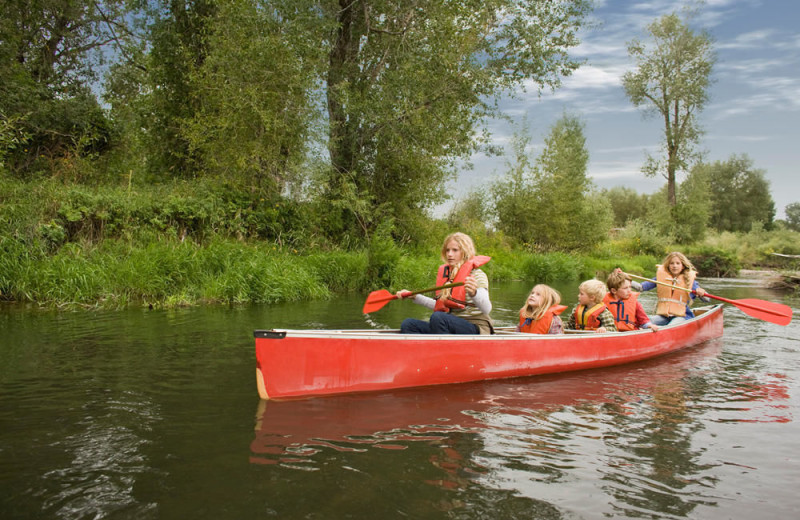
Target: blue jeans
{"x":440,"y":323}
{"x":666,"y":320}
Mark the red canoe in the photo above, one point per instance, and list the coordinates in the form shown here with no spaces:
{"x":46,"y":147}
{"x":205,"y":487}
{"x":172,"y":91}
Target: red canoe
{"x":305,"y":363}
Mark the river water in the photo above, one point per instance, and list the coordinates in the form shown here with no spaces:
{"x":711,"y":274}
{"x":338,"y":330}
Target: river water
{"x":154,"y":414}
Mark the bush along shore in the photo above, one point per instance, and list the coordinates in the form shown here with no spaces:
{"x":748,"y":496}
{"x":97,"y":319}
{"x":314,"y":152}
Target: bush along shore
{"x":72,"y":246}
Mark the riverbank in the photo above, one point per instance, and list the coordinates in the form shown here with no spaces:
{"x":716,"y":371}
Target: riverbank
{"x":197,"y":243}
{"x":174,"y":273}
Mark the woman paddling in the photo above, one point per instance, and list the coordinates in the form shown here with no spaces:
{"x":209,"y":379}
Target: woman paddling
{"x":458,"y":310}
{"x":673,"y":304}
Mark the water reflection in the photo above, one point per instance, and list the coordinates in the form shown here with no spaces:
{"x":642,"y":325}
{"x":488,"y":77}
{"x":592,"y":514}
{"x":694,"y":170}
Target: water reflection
{"x":516,"y":434}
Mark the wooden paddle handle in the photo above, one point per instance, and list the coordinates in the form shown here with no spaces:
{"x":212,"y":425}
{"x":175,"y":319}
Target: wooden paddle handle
{"x":437,"y":288}
{"x":659,"y":283}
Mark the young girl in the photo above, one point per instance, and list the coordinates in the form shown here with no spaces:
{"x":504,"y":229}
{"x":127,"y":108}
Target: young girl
{"x":590,"y":313}
{"x":458,"y":310}
{"x":673,"y":303}
{"x":540,"y":314}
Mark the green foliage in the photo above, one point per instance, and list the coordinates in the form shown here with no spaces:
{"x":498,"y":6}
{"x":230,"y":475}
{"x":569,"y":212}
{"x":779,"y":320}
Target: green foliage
{"x":514,"y":196}
{"x":712,"y":261}
{"x":740,"y":194}
{"x":627,"y":204}
{"x":408,"y":89}
{"x":566,"y":216}
{"x":671,"y":80}
{"x":687,"y":220}
{"x":47,"y":59}
{"x":51,"y":213}
{"x":383,"y":255}
{"x":793,"y":216}
{"x":641,"y":238}
{"x":254,"y":121}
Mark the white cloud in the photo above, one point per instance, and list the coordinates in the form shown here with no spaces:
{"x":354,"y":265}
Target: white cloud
{"x":749,"y":40}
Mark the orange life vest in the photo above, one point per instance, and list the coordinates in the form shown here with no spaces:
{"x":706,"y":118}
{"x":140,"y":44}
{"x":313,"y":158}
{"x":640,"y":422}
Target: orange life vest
{"x":673,"y":302}
{"x":588,"y":319}
{"x":458,"y":295}
{"x":542,"y":325}
{"x":624,"y":311}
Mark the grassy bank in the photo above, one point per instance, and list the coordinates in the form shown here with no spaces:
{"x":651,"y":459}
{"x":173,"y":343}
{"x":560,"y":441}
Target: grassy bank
{"x":198,"y":243}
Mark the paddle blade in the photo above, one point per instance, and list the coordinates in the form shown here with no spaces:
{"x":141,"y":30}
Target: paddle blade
{"x":772,"y":312}
{"x":377,"y":299}
{"x":768,"y":311}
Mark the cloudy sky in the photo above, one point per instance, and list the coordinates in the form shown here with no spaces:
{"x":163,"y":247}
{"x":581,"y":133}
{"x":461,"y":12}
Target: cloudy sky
{"x":754,"y":107}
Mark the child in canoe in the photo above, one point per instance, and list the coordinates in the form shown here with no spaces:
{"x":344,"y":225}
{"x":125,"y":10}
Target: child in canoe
{"x":673,"y":305}
{"x":624,"y":304}
{"x":540,"y":314}
{"x":591,"y":313}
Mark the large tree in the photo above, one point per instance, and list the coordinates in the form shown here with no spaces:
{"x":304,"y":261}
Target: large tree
{"x":257,"y":87}
{"x":671,"y":80}
{"x":740,"y":194}
{"x":409,"y":83}
{"x":49,"y":52}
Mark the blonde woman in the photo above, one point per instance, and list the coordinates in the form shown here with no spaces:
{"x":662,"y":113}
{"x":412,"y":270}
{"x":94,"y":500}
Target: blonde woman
{"x":457,"y":310}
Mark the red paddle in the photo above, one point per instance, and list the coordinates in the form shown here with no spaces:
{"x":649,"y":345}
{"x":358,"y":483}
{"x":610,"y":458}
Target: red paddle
{"x":772,"y":312}
{"x":377,"y":299}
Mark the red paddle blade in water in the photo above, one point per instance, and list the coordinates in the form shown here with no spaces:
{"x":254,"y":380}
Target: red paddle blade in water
{"x":772,"y":312}
{"x":377,"y":299}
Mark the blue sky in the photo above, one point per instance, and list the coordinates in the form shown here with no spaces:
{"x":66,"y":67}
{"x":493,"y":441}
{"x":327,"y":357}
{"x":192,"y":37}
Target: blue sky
{"x":754,"y":106}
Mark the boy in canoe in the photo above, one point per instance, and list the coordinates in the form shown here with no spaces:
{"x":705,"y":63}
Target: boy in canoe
{"x":591,"y":313}
{"x":624,"y":304}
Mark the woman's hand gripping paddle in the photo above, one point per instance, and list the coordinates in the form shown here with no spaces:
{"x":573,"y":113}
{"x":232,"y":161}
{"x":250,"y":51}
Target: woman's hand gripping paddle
{"x":377,"y":299}
{"x":772,"y":312}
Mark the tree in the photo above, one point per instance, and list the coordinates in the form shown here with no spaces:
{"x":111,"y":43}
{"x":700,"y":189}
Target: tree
{"x":567,"y":213}
{"x":685,"y":222}
{"x":178,"y":35}
{"x":409,"y":83}
{"x":254,"y":121}
{"x":740,"y":194}
{"x":49,"y":52}
{"x":671,"y":80}
{"x":514,"y":195}
{"x":627,"y":204}
{"x":793,"y":216}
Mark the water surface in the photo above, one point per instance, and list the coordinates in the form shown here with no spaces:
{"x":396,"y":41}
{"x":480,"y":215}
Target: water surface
{"x":154,"y":414}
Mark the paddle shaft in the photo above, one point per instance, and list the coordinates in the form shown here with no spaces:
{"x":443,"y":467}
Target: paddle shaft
{"x":737,"y":303}
{"x":437,"y":288}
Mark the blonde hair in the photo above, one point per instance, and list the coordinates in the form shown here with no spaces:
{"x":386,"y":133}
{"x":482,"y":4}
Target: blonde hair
{"x":594,"y":289}
{"x":550,"y":297}
{"x":467,"y":247}
{"x":687,"y":264}
{"x":616,"y":279}
{"x":464,"y":242}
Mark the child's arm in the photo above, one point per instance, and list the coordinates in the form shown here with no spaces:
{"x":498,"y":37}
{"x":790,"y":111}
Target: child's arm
{"x":607,"y":323}
{"x":421,"y":299}
{"x":571,"y":320}
{"x":644,"y":286}
{"x":699,"y":290}
{"x":557,"y":326}
{"x":642,"y":320}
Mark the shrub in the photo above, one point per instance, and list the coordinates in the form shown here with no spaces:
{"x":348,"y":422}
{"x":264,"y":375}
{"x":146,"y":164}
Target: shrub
{"x":711,"y":261}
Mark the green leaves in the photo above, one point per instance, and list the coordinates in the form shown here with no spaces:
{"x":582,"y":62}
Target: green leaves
{"x":671,"y":80}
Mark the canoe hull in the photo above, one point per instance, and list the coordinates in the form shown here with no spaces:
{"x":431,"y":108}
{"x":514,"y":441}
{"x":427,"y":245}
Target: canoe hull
{"x":305,"y":363}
